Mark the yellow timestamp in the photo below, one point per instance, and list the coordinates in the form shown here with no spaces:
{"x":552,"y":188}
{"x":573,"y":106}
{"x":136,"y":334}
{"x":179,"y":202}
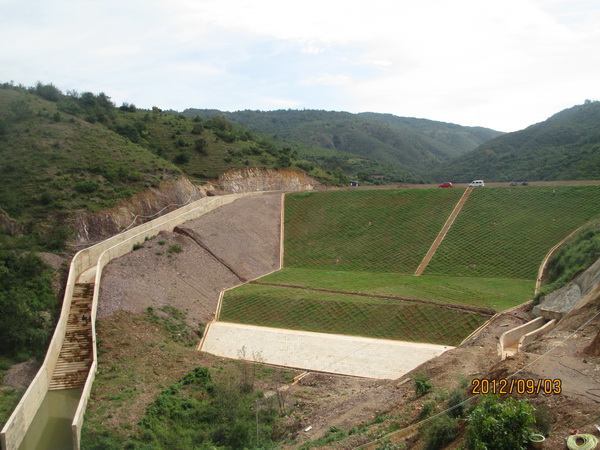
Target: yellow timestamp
{"x":516,"y":386}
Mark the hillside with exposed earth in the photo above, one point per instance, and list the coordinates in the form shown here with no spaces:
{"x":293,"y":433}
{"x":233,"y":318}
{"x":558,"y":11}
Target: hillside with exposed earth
{"x":139,"y":353}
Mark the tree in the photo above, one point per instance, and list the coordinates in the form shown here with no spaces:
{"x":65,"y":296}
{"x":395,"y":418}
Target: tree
{"x":27,"y":303}
{"x":501,"y":426}
{"x":48,"y":91}
{"x":201,"y":146}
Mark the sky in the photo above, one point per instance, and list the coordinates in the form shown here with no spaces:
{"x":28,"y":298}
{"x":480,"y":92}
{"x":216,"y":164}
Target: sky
{"x":503,"y":65}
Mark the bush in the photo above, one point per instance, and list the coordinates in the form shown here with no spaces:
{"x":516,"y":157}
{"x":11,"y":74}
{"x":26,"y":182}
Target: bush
{"x":182,"y":158}
{"x":175,"y":249}
{"x":422,"y":384}
{"x":501,"y":426}
{"x":28,"y":305}
{"x":455,"y":402}
{"x":442,"y":431}
{"x":86,"y":187}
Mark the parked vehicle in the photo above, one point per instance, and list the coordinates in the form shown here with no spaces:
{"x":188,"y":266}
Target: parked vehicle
{"x":445,"y":185}
{"x":524,"y":183}
{"x":513,"y":183}
{"x":476,"y":183}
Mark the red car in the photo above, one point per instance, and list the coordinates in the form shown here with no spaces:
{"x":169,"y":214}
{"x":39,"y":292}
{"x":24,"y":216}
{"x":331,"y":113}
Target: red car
{"x":445,"y":185}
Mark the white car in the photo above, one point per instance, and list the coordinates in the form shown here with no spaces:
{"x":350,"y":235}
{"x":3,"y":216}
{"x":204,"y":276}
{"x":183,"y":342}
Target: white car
{"x":476,"y":183}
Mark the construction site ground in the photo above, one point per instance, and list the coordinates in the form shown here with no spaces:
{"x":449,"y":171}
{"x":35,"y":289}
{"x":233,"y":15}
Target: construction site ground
{"x":245,"y":236}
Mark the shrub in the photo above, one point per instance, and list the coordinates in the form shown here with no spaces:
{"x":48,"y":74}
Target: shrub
{"x":455,"y":402}
{"x":422,"y":384}
{"x":501,"y":426}
{"x":86,"y":187}
{"x":182,"y":158}
{"x":175,"y":248}
{"x":442,"y":431}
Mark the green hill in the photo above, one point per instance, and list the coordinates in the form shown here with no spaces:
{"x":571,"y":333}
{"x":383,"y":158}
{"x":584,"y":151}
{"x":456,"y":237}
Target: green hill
{"x":412,"y":144}
{"x":564,"y":147}
{"x":61,"y":153}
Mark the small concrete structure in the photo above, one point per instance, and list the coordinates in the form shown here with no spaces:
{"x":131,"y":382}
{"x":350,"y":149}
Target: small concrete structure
{"x":319,"y":352}
{"x":510,"y":341}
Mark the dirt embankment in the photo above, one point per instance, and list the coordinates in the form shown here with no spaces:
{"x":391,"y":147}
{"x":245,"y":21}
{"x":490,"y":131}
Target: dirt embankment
{"x":174,"y":270}
{"x":93,"y":227}
{"x":252,"y":180}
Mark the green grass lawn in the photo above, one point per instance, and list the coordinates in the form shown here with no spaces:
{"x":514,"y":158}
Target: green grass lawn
{"x":370,"y":230}
{"x":507,"y":232}
{"x":496,"y":293}
{"x":300,"y":309}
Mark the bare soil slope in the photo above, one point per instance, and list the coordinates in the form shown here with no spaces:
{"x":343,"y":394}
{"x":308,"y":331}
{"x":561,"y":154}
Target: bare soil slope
{"x":188,"y":268}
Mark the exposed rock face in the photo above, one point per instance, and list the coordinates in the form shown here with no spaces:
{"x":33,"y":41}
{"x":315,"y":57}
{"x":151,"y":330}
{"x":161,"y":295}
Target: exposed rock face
{"x":92,"y":227}
{"x":11,"y":226}
{"x":151,"y":203}
{"x":249,"y":180}
{"x":560,"y":302}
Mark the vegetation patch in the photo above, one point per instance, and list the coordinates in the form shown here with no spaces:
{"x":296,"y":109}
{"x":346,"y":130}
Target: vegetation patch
{"x":370,"y":230}
{"x":300,"y":309}
{"x":496,"y":293}
{"x":572,"y":258}
{"x":507,"y":232}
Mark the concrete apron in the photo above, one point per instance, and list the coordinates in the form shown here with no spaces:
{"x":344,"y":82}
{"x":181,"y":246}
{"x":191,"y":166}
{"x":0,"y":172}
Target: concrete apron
{"x":320,"y":352}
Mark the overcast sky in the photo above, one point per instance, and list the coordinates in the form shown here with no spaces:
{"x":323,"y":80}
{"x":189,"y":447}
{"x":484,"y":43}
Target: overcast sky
{"x":499,"y":64}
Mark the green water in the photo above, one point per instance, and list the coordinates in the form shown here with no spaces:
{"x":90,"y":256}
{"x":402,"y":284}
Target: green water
{"x":51,"y":426}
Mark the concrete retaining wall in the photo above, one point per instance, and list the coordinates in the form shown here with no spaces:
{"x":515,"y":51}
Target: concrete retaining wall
{"x":536,"y":334}
{"x":510,"y":339}
{"x":98,"y":255}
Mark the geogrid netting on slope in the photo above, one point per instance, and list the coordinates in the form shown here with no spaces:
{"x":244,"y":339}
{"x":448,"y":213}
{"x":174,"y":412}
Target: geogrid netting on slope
{"x":499,"y":233}
{"x":506,"y":232}
{"x":368,"y":230}
{"x":282,"y":307}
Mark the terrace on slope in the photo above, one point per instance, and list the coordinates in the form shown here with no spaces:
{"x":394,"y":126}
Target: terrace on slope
{"x":372,"y":241}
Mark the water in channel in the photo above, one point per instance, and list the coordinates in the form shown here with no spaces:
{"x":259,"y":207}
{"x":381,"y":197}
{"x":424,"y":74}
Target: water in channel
{"x":51,"y":426}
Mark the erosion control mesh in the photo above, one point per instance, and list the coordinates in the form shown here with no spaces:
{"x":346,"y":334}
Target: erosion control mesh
{"x":370,"y":230}
{"x":371,"y":241}
{"x":299,"y":309}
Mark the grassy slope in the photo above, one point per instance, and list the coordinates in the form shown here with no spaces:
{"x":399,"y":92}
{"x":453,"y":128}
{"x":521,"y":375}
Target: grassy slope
{"x":371,"y":242}
{"x":496,"y":293}
{"x":44,"y":161}
{"x":364,"y":230}
{"x":348,"y":314}
{"x":506,"y":232}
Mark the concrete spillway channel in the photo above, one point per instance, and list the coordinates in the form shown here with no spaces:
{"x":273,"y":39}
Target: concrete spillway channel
{"x":50,"y":413}
{"x":51,"y":426}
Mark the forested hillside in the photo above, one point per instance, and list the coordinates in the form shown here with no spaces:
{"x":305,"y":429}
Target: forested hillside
{"x":78,"y":151}
{"x":413,"y":144}
{"x":564,"y":147}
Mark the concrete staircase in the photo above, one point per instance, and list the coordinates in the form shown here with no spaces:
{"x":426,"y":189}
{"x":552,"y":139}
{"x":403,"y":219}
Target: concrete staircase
{"x":75,"y":358}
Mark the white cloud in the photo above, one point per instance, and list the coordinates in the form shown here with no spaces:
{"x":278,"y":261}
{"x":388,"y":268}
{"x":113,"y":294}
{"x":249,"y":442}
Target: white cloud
{"x":503,"y":65}
{"x":330,"y":80}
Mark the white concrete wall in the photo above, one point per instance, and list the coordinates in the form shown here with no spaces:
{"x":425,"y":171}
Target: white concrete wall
{"x":536,"y":334}
{"x":512,"y":337}
{"x":98,"y":255}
